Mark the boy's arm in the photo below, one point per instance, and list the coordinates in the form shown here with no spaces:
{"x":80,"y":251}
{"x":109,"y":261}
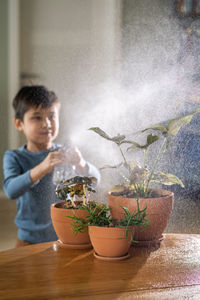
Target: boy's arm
{"x":15,"y":183}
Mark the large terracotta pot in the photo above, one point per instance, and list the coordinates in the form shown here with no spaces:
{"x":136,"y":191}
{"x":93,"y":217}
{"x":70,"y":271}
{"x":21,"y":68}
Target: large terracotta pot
{"x":109,"y":242}
{"x":158,"y":211}
{"x":63,"y":227}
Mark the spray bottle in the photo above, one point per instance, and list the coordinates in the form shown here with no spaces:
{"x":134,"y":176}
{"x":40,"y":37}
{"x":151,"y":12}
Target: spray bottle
{"x":63,"y":171}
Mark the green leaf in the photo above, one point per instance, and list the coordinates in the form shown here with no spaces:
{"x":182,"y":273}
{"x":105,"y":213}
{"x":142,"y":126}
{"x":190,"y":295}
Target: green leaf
{"x":161,"y":128}
{"x":175,"y":124}
{"x":167,"y":179}
{"x":134,"y":146}
{"x":100,"y":132}
{"x":116,"y":139}
{"x":151,"y":139}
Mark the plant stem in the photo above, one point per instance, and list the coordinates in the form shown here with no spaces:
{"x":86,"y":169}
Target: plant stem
{"x":123,"y":155}
{"x":145,"y":157}
{"x":154,"y":166}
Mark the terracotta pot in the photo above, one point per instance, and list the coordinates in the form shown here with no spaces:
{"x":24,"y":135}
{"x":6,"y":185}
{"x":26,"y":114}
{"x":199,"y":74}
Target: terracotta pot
{"x":63,"y":227}
{"x":109,"y":241}
{"x":158,"y":211}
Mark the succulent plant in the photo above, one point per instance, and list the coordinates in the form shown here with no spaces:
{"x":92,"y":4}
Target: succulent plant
{"x":99,"y":215}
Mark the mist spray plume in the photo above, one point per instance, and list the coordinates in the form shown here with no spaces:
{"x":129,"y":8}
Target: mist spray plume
{"x":151,"y":89}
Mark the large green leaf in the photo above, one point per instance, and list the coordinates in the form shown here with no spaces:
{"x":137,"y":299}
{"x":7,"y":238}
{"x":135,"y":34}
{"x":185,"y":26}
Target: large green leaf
{"x":116,"y":139}
{"x":166,"y":179}
{"x":100,"y":132}
{"x":174,"y":125}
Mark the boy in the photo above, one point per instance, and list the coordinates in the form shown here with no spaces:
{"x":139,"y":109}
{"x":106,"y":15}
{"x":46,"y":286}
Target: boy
{"x":28,"y":171}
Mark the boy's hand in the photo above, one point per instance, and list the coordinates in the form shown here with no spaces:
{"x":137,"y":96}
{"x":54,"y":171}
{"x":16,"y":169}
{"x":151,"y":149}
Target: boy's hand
{"x":53,"y":159}
{"x":46,"y":166}
{"x":74,"y":157}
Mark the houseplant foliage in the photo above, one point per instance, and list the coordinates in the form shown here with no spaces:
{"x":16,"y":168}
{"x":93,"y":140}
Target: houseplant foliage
{"x":110,"y":238}
{"x":79,"y":187}
{"x":138,"y":177}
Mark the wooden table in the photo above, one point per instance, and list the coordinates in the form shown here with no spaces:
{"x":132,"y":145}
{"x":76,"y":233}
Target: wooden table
{"x":46,"y":271}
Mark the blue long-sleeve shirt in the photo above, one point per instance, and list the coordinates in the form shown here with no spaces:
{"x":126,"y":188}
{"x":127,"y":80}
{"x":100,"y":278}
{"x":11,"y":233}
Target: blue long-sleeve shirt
{"x":33,"y":199}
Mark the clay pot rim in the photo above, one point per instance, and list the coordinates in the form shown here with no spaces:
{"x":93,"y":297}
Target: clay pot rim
{"x":107,"y":233}
{"x":162,"y":193}
{"x":54,"y":205}
{"x":109,"y":226}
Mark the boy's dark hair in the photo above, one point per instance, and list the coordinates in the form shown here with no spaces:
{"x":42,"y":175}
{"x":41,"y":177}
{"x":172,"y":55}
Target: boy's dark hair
{"x":32,"y":96}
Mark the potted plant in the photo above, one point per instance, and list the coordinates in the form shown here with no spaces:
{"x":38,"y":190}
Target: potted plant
{"x":67,"y":191}
{"x":110,"y":238}
{"x":138,"y":178}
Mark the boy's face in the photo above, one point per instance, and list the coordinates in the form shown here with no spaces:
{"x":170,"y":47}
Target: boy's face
{"x":40,"y":126}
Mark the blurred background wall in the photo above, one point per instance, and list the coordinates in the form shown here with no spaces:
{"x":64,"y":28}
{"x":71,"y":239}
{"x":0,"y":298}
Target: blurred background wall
{"x":4,"y":79}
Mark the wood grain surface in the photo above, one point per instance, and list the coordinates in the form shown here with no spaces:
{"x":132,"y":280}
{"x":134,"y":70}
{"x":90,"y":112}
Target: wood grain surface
{"x":46,"y":271}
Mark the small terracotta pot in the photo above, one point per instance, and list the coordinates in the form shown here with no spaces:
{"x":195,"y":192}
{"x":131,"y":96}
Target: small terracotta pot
{"x":158,"y":211}
{"x":109,"y":241}
{"x":63,"y":227}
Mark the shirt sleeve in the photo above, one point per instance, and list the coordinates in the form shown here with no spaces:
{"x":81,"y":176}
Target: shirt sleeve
{"x":15,"y":181}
